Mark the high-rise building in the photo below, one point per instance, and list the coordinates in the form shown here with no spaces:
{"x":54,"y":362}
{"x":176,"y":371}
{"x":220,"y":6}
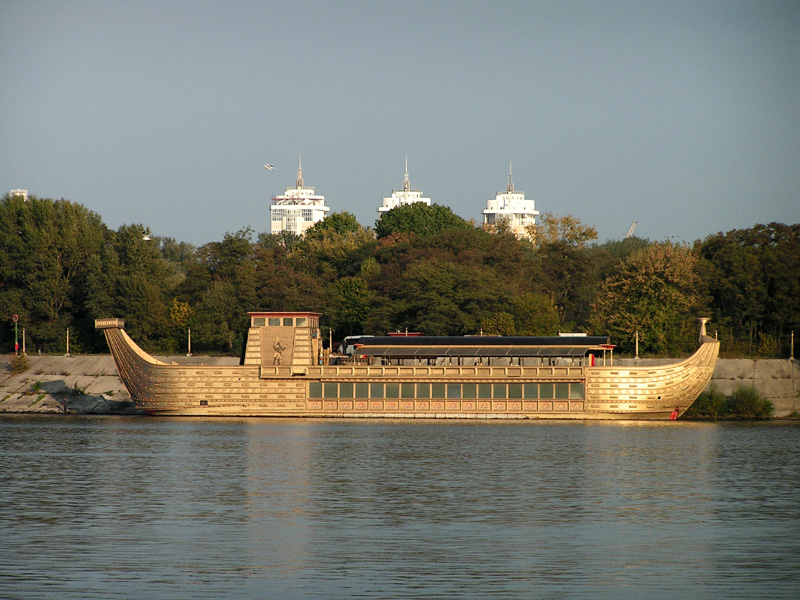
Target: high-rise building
{"x":404,"y":196}
{"x":298,"y":208}
{"x":517,"y":213}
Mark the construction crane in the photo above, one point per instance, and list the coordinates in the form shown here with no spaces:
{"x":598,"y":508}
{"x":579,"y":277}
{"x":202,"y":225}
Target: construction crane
{"x":630,"y":231}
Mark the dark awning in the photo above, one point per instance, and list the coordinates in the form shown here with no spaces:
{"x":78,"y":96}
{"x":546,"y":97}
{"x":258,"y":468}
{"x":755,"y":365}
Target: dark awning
{"x":429,"y":352}
{"x":480,"y":346}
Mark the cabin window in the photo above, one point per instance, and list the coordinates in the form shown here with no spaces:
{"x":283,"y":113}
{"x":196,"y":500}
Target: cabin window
{"x":274,"y":321}
{"x":423,"y":390}
{"x":469,"y":390}
{"x":345,"y":390}
{"x":576,"y":391}
{"x":392,"y":390}
{"x":259,"y":321}
{"x":288,"y":321}
{"x":545,"y":390}
{"x":301,"y":321}
{"x":531,"y":390}
{"x":484,"y":390}
{"x":562,"y":391}
{"x":362,"y":390}
{"x":315,"y":389}
{"x":454,"y":390}
{"x":407,"y":390}
{"x":331,"y":390}
{"x":376,"y":390}
{"x":499,"y":390}
{"x":515,"y":390}
{"x":437,"y":390}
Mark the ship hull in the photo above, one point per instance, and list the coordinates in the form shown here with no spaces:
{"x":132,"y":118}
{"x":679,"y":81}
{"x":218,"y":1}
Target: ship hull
{"x":411,"y":392}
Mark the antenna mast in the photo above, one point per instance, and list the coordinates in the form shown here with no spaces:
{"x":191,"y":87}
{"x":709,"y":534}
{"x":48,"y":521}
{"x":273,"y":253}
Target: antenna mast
{"x":300,"y":172}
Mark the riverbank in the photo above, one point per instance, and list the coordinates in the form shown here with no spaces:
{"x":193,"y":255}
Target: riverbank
{"x":90,"y":384}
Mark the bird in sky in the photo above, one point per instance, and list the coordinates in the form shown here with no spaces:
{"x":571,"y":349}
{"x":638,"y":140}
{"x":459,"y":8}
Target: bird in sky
{"x":269,"y":167}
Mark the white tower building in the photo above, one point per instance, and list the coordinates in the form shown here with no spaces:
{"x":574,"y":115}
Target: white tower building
{"x":513,"y":208}
{"x":298,"y":209}
{"x":404,"y":196}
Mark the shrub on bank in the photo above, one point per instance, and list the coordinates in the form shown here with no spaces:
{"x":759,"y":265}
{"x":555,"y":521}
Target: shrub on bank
{"x":747,"y":403}
{"x":744,"y":403}
{"x":711,"y":404}
{"x":19,"y":363}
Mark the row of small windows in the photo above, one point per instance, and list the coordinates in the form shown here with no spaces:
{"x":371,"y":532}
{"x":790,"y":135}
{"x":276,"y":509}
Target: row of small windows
{"x":558,"y":391}
{"x":282,"y":322}
{"x":306,"y":214}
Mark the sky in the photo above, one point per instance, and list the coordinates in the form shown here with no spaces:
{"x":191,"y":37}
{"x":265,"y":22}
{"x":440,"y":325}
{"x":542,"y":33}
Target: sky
{"x":682,"y":116}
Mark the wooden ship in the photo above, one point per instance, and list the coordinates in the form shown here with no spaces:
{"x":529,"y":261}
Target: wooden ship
{"x":474,"y":377}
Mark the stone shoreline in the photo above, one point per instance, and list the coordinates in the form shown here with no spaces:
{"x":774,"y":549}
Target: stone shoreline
{"x":90,"y":384}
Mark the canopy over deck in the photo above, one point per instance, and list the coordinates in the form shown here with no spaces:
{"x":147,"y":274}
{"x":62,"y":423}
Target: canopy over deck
{"x":477,"y":346}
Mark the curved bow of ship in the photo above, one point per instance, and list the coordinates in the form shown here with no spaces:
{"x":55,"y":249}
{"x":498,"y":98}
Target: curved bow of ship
{"x":624,"y":392}
{"x":133,"y":363}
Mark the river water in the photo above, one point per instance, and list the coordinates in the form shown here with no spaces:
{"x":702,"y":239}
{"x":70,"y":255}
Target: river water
{"x":117,"y":507}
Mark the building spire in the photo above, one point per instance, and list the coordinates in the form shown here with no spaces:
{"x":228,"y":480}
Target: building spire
{"x":300,"y":172}
{"x":510,"y":188}
{"x":406,"y":184}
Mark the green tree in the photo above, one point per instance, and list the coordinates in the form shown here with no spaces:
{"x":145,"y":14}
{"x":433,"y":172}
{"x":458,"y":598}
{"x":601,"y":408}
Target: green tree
{"x":569,"y":277}
{"x":339,"y":222}
{"x":281,"y":286}
{"x":220,"y":288}
{"x":500,"y":323}
{"x":534,"y":314}
{"x":351,"y":306}
{"x":754,"y":287}
{"x":45,"y":249}
{"x":657,"y":292}
{"x":285,"y":240}
{"x":143,"y":282}
{"x":567,"y":229}
{"x":419,"y":218}
{"x":335,"y":251}
{"x":218,"y":322}
{"x":437,"y":296}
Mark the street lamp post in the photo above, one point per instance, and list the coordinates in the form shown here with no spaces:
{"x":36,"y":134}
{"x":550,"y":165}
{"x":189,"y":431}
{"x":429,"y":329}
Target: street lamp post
{"x":15,"y":318}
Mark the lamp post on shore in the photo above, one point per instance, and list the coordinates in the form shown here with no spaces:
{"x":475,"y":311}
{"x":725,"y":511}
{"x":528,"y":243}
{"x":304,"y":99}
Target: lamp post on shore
{"x":189,"y":350}
{"x":15,"y":318}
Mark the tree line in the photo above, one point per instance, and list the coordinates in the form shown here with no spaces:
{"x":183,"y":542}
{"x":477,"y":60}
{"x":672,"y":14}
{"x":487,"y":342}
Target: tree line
{"x":421,"y":268}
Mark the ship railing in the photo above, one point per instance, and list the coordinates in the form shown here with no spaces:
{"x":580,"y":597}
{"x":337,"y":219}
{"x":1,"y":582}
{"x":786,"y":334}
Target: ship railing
{"x":356,"y":371}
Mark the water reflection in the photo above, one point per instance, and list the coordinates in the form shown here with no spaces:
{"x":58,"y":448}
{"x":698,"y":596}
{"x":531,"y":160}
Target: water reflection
{"x":200,"y":508}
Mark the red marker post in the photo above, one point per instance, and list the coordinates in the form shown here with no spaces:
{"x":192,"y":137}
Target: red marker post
{"x":15,"y":318}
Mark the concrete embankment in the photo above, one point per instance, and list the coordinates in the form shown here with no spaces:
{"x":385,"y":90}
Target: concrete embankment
{"x":90,"y":384}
